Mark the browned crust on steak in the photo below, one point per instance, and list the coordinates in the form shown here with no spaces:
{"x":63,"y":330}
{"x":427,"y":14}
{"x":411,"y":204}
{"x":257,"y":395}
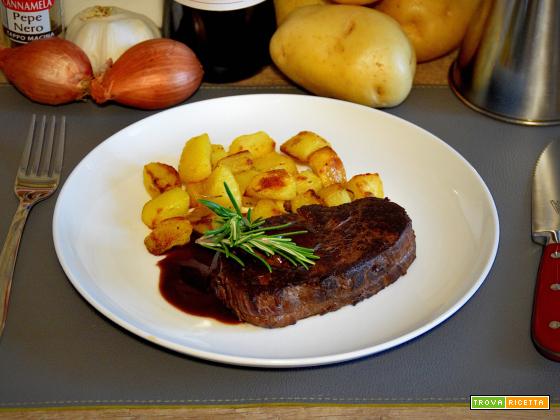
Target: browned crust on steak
{"x":363,"y":246}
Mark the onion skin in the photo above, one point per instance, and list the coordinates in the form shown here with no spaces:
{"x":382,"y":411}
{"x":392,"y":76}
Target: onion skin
{"x":50,"y":71}
{"x":153,"y":74}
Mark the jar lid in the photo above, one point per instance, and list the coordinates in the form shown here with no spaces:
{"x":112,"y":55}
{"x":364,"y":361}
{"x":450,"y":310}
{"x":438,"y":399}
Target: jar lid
{"x":219,"y":5}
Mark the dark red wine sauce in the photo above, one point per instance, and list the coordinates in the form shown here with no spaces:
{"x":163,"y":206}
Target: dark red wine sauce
{"x":185,"y":283}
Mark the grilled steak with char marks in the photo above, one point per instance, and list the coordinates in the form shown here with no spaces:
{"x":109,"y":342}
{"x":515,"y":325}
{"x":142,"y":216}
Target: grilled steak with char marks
{"x":363,"y":246}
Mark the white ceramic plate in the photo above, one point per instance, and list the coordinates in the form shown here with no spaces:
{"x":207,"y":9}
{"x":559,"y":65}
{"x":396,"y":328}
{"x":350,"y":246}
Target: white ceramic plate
{"x":99,"y":237}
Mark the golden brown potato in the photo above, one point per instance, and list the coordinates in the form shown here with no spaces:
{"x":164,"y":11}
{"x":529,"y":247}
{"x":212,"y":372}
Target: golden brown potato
{"x":284,"y":7}
{"x":366,"y":185}
{"x":277,"y":184}
{"x":167,"y":234}
{"x":303,"y":144}
{"x":266,"y":208}
{"x":160,"y":177}
{"x":243,"y":179}
{"x":275,"y":160}
{"x":357,"y":2}
{"x":196,"y":159}
{"x":304,"y":199}
{"x":335,"y":195}
{"x":435,"y":27}
{"x":218,"y":152}
{"x":249,"y":202}
{"x":202,"y":219}
{"x":326,"y":164}
{"x":307,"y":180}
{"x":258,"y":144}
{"x":171,"y":203}
{"x":348,"y":52}
{"x":237,"y":162}
{"x":215,"y":189}
{"x":196,"y":191}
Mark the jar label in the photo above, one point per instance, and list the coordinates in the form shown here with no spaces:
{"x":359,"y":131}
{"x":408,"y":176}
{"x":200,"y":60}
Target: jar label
{"x":219,"y":5}
{"x":27,"y":20}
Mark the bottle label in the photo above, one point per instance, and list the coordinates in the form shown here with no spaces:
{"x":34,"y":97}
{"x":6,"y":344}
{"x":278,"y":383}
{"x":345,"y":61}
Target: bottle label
{"x":27,"y":20}
{"x":219,"y":5}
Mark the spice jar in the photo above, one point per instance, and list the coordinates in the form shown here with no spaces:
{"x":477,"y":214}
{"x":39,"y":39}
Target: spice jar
{"x":229,"y":38}
{"x":24,"y":21}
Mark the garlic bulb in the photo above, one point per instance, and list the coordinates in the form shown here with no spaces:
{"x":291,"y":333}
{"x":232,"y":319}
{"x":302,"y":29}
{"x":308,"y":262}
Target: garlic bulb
{"x":105,"y":32}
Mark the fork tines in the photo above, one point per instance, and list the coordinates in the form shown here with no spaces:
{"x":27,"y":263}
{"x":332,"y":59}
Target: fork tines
{"x":44,"y":147}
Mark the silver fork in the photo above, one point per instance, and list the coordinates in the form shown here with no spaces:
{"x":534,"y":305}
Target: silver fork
{"x":37,"y":178}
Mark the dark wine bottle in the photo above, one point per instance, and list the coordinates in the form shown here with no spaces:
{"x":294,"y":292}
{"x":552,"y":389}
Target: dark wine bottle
{"x":230,"y":38}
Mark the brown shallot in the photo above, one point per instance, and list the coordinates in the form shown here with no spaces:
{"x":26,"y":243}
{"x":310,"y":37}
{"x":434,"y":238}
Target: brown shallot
{"x":153,"y":74}
{"x":50,"y":71}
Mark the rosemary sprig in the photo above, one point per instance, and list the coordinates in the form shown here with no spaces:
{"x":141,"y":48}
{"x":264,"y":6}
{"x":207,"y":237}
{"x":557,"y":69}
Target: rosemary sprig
{"x":240,"y":232}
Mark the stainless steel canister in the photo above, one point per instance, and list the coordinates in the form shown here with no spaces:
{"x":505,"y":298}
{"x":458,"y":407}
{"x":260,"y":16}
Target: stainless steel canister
{"x":508,"y":65}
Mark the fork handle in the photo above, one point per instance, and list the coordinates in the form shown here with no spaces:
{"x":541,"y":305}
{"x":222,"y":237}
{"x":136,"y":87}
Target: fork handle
{"x":8,"y":259}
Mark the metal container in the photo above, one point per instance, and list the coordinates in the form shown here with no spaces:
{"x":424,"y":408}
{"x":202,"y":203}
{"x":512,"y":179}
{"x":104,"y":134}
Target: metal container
{"x":508,"y":65}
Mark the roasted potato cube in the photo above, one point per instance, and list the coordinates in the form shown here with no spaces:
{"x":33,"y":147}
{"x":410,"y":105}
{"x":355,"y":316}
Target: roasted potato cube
{"x":196,"y":191}
{"x":274,"y":160}
{"x":167,"y":234}
{"x":277,"y":184}
{"x":366,"y":185}
{"x":243,"y":179}
{"x":266,"y":208}
{"x":237,"y":162}
{"x":258,"y":144}
{"x":326,"y":164}
{"x":171,"y":203}
{"x":218,"y":152}
{"x":249,"y":202}
{"x":215,"y":189}
{"x":335,"y":195}
{"x":303,"y":144}
{"x":196,"y":159}
{"x":160,"y":177}
{"x":307,"y":180}
{"x":304,"y":199}
{"x":202,"y":219}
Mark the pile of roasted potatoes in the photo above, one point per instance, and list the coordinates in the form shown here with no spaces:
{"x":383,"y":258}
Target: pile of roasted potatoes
{"x":306,"y":170}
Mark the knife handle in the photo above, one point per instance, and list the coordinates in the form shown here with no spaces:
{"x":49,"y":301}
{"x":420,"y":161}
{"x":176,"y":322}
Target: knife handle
{"x":545,"y":326}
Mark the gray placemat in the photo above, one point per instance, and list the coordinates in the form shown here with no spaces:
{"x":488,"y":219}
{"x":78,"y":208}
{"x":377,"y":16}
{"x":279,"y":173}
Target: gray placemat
{"x":58,"y":351}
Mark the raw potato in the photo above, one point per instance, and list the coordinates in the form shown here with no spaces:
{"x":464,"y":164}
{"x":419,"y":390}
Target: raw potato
{"x":160,"y":177}
{"x":196,"y":159}
{"x":172,"y":203}
{"x":258,"y":144}
{"x":326,"y":164}
{"x":284,"y":7}
{"x":347,"y":52}
{"x":303,"y":144}
{"x":167,"y":234}
{"x":435,"y":27}
{"x":366,"y":185}
{"x":277,"y":184}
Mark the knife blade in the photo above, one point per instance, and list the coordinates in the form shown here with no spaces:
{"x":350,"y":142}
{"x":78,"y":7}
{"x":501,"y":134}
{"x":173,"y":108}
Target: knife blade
{"x":545,"y":323}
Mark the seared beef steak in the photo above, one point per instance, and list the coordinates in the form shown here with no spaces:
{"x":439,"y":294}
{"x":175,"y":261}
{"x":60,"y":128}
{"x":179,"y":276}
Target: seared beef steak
{"x":363,"y":247}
